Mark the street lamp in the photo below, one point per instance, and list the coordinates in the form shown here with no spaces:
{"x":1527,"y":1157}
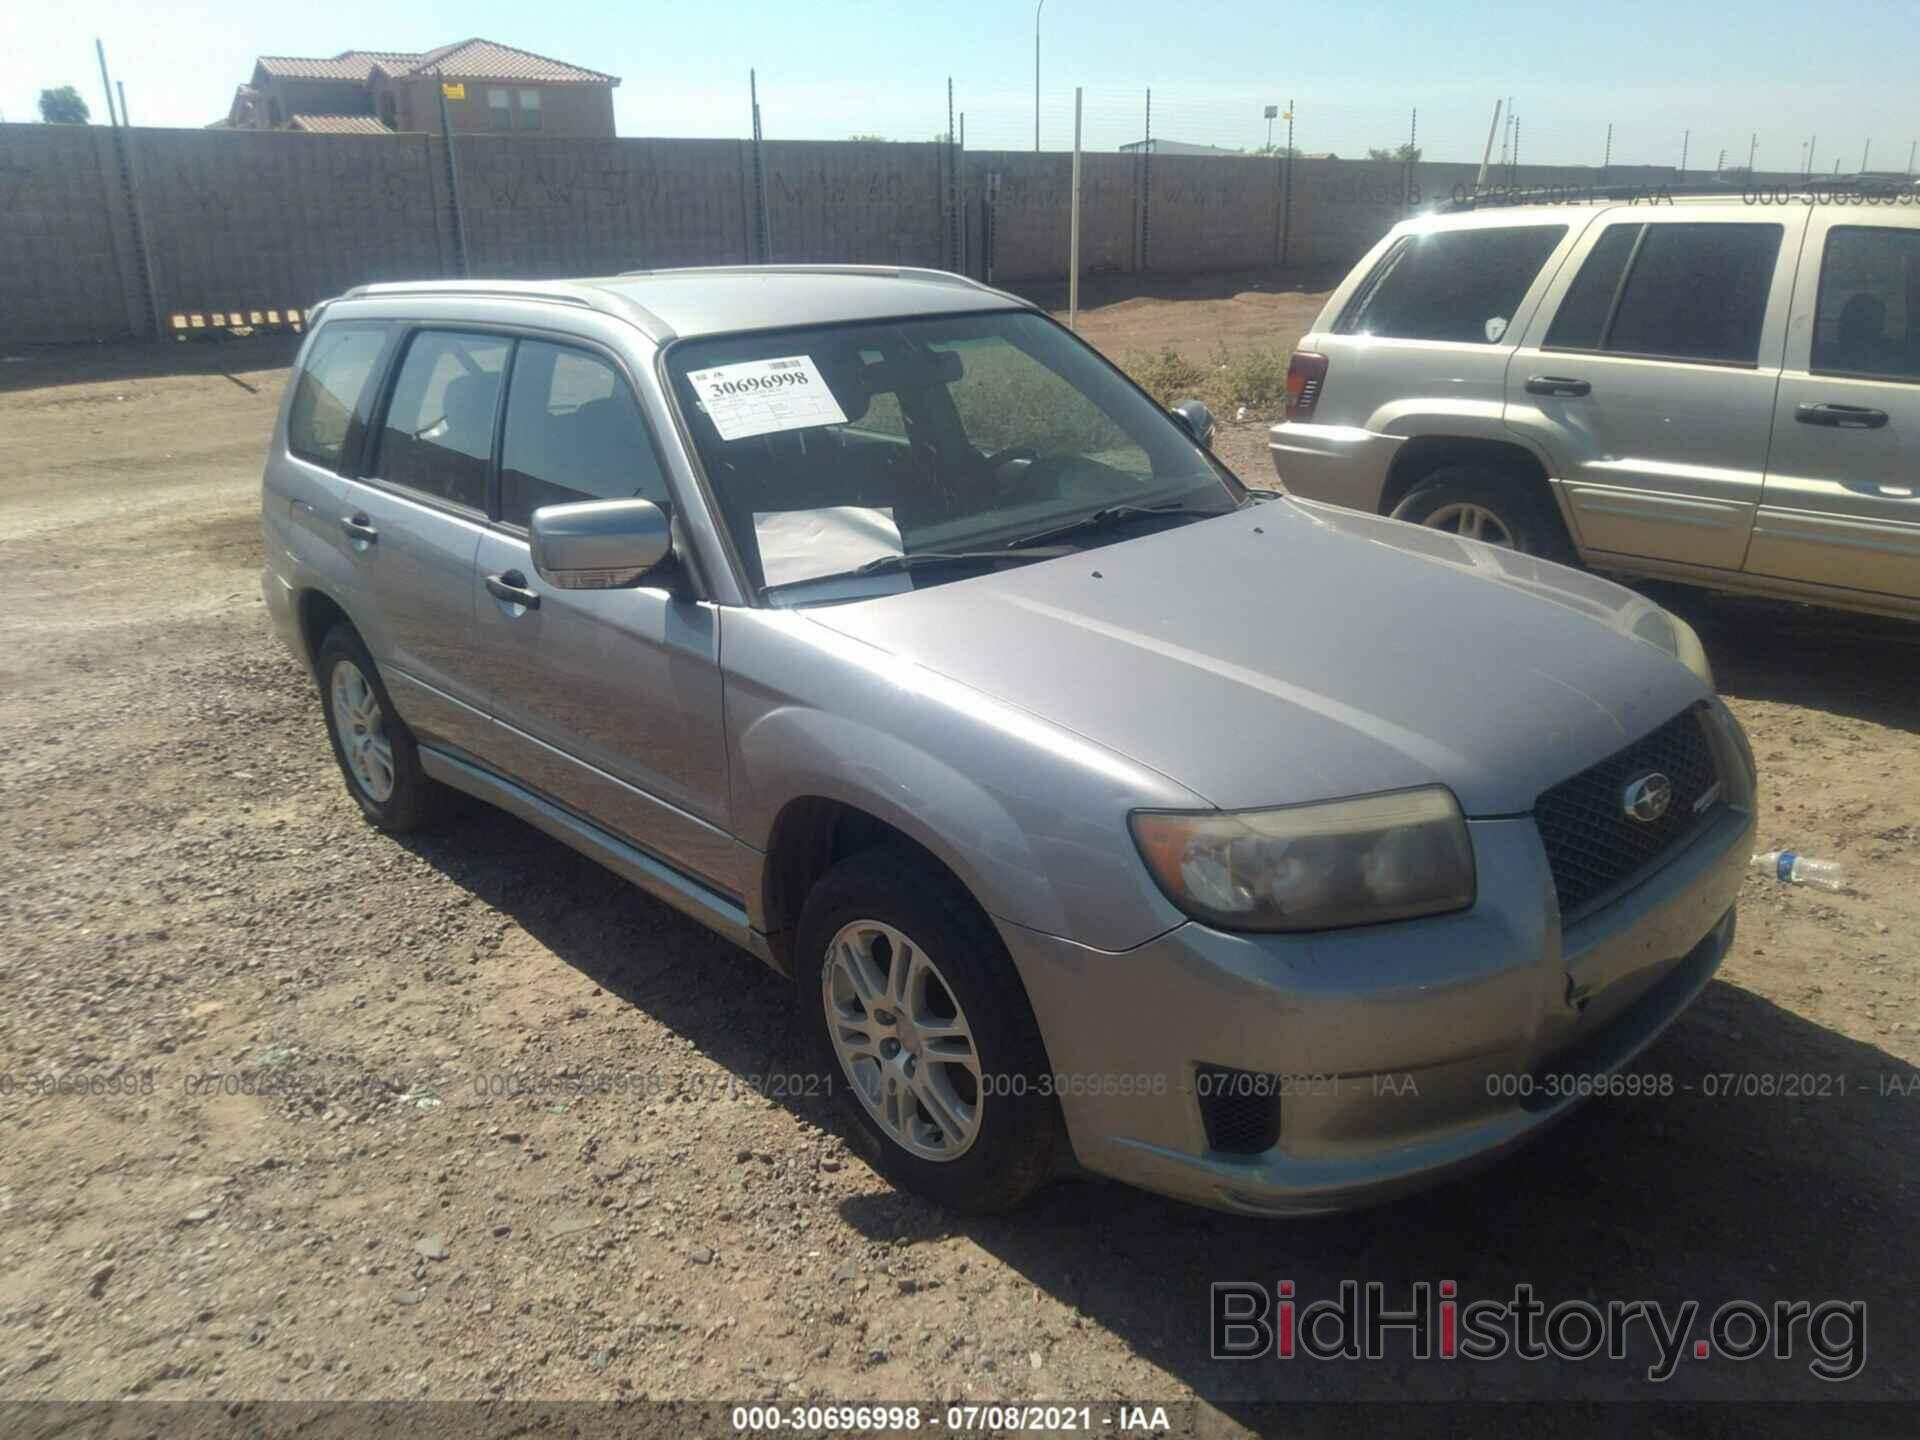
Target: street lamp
{"x":1036,"y":75}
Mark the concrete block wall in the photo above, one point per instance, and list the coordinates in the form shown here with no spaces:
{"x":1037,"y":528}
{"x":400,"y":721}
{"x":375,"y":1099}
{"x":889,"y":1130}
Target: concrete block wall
{"x":60,"y":272}
{"x":545,"y":208}
{"x":856,"y":203}
{"x":252,"y":219}
{"x":271,"y":219}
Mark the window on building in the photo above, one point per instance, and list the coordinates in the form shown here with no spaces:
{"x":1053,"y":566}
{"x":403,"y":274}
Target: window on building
{"x":500,"y":109}
{"x":529,"y":109}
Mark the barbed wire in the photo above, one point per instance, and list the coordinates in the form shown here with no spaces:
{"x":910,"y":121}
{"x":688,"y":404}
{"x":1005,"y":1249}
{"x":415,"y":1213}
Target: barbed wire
{"x":1451,"y":126}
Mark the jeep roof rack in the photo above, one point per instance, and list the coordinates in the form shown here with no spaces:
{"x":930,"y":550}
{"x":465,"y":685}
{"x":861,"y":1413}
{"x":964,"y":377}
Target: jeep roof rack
{"x":1504,"y":197}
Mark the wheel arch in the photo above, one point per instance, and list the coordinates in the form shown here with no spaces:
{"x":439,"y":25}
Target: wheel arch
{"x":318,"y":613}
{"x":811,"y":834}
{"x":1420,"y":456}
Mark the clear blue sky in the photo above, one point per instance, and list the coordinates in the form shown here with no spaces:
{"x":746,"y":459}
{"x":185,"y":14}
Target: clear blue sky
{"x":828,"y":68}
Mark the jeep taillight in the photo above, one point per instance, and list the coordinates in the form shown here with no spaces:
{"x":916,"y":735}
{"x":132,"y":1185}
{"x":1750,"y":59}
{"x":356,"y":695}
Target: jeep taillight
{"x":1306,"y":377}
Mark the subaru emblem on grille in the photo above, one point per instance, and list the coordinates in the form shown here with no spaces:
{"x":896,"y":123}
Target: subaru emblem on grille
{"x":1647,"y":798}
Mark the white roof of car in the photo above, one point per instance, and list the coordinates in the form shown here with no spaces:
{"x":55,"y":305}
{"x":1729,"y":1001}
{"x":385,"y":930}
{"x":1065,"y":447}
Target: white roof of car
{"x":669,"y":304}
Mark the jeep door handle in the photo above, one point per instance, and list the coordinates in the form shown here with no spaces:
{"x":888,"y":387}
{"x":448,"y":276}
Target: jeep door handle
{"x":511,"y":586}
{"x":1841,"y":417}
{"x":1558,"y":385}
{"x":359,"y":526}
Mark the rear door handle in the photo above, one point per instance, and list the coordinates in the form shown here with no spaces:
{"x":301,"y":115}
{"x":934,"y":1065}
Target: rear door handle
{"x":1841,"y":417}
{"x":1558,"y":385}
{"x":360,"y":527}
{"x":511,"y":586}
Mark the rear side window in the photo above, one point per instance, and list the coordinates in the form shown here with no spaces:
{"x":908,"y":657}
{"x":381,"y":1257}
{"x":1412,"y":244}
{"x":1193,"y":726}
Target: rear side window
{"x":1690,"y":292}
{"x":574,"y":432}
{"x":438,"y":436}
{"x":1868,"y":319}
{"x":330,"y":396}
{"x":1451,"y":284}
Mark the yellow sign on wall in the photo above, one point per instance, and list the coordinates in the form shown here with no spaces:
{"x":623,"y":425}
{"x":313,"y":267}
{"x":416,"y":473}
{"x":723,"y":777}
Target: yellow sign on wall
{"x":453,"y":89}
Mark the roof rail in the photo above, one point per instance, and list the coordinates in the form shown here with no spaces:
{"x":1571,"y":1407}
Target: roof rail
{"x":897,"y":272}
{"x":499,"y":289}
{"x":1504,"y":196}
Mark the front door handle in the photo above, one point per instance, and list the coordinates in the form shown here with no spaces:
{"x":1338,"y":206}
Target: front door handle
{"x":1558,"y":385}
{"x":360,"y":527}
{"x":1841,"y":417}
{"x":511,"y":586}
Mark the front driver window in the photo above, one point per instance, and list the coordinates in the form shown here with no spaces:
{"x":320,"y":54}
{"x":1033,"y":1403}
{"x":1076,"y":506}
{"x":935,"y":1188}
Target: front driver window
{"x":574,"y":432}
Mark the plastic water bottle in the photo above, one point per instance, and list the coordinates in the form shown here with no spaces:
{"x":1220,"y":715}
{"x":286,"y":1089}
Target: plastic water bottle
{"x":1799,"y":870}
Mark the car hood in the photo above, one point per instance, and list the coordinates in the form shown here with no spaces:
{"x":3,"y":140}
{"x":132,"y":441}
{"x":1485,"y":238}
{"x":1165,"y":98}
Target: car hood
{"x":1292,"y":652}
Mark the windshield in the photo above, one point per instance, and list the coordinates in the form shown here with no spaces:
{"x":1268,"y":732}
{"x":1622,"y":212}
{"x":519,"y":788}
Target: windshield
{"x":830,"y":447}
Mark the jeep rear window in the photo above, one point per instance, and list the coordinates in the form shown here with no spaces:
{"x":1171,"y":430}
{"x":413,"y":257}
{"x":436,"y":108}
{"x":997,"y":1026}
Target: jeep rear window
{"x":1461,"y":285}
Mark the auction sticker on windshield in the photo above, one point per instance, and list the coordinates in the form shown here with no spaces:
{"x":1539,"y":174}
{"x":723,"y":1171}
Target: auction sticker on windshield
{"x":758,"y":397}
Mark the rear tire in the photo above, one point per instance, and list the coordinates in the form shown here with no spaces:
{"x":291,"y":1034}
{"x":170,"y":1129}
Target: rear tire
{"x":1478,"y":502}
{"x":376,"y":751}
{"x":902,"y":981}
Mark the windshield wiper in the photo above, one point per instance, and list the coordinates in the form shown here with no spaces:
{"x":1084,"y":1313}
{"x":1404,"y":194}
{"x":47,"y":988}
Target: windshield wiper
{"x":890,"y":564}
{"x":925,"y":560}
{"x":1112,"y":515}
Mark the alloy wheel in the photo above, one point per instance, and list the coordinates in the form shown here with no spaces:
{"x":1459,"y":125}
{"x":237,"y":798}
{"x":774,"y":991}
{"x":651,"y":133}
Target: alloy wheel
{"x":363,"y":732}
{"x":902,"y":1039}
{"x":1472,"y":522}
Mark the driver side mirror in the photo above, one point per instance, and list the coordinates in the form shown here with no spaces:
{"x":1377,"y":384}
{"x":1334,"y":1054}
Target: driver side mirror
{"x":598,"y":544}
{"x":1194,"y":418}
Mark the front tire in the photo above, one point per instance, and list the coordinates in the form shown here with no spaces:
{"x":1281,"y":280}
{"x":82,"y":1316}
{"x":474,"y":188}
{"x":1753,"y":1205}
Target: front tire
{"x":376,"y":751}
{"x":1477,"y":502}
{"x":919,"y":1019}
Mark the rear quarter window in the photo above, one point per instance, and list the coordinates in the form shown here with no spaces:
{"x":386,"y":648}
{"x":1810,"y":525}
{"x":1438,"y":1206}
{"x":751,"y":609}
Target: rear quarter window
{"x":1461,"y":285}
{"x":331,"y":394}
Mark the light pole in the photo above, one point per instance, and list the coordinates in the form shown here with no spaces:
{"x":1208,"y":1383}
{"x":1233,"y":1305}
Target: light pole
{"x":1036,"y":75}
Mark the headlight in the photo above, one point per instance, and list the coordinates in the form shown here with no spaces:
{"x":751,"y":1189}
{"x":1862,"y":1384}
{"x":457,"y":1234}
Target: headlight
{"x":1670,"y":633}
{"x":1313,"y":867}
{"x":1690,"y":652}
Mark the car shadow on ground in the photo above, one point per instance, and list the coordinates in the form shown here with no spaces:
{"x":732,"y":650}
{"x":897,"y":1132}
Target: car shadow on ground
{"x":1707,"y":1194}
{"x":1863,"y":666}
{"x":207,"y":352}
{"x":1701,"y":1195}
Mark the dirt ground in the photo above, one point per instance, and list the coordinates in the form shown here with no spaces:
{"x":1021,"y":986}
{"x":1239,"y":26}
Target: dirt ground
{"x":350,"y":1139}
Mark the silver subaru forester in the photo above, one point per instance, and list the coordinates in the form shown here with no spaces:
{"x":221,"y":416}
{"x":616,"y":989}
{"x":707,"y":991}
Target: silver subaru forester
{"x":1106,"y":813}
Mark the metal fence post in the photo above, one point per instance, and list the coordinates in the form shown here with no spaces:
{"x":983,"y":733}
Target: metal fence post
{"x":1286,"y":203}
{"x":1073,"y":225}
{"x":953,"y":187}
{"x":461,"y":254}
{"x":1146,"y":188}
{"x":123,"y":148}
{"x":763,"y":225}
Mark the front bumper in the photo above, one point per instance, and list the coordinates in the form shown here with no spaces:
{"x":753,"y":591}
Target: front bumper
{"x":1337,"y":464}
{"x":1404,"y":1053}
